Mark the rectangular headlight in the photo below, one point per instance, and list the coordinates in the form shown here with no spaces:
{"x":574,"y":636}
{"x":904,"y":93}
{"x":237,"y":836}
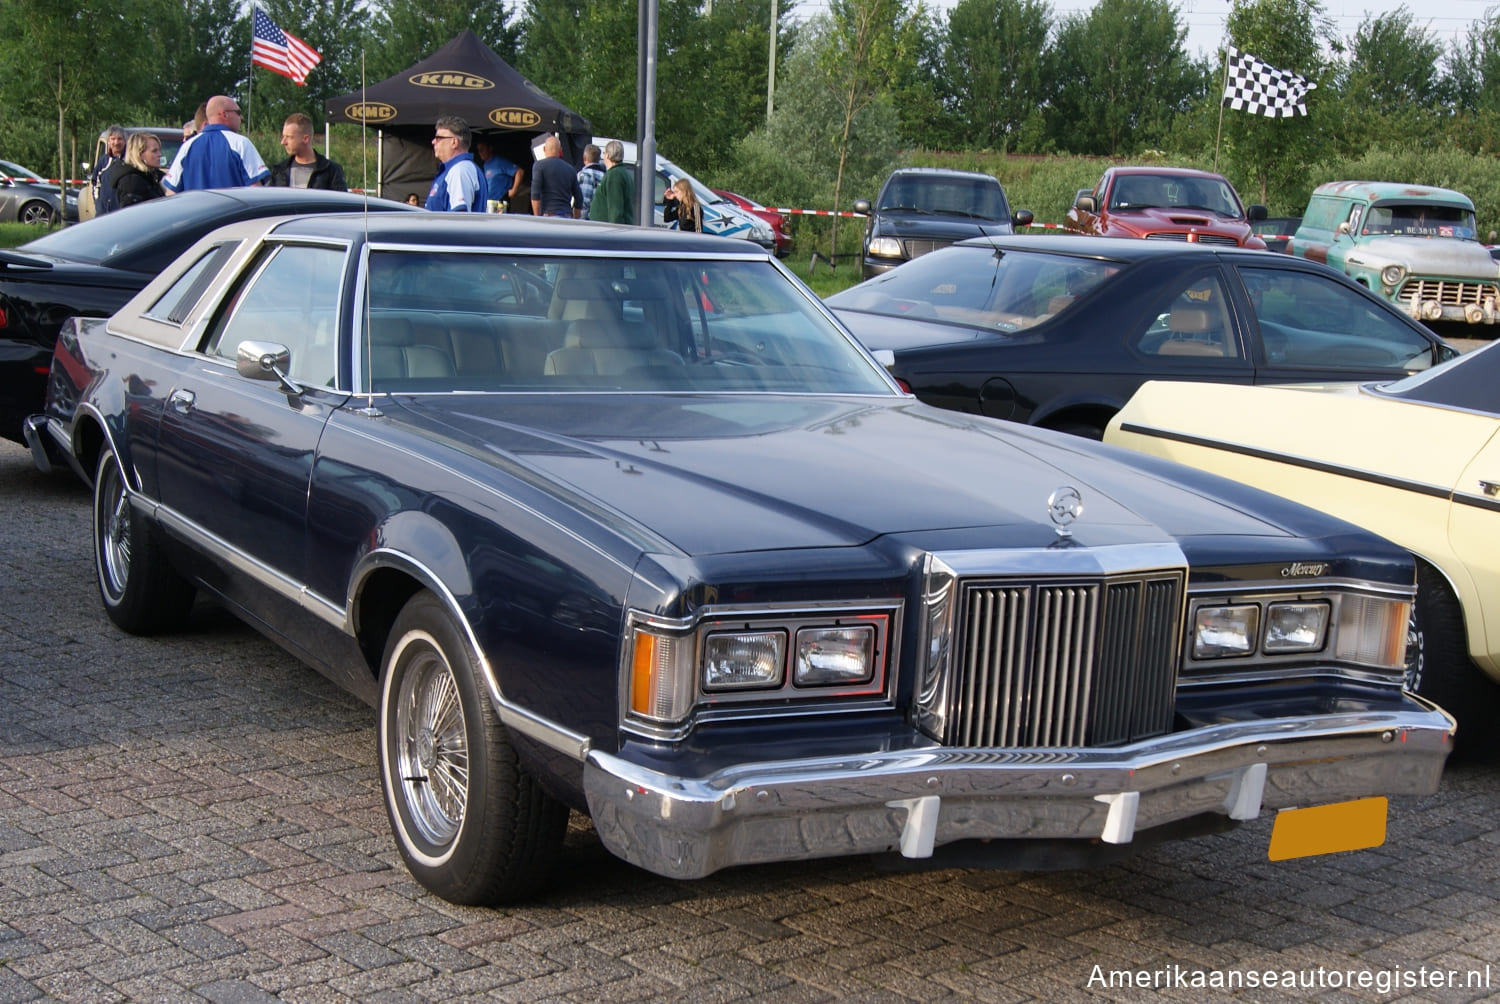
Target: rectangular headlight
{"x":1223,"y":632}
{"x":1296,"y":627}
{"x":829,"y":656}
{"x":744,"y":660}
{"x":1372,"y":630}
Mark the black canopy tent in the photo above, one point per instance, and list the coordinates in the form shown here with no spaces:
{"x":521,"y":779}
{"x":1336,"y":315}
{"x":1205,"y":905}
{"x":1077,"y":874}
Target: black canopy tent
{"x":464,"y":78}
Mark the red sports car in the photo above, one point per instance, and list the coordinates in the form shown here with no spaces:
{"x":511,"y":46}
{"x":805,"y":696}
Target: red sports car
{"x":775,"y":220}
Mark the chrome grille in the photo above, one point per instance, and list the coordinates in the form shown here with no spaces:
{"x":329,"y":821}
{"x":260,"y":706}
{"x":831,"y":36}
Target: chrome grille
{"x":1447,"y":292}
{"x":1082,"y":663}
{"x":1216,"y":239}
{"x":914,"y":248}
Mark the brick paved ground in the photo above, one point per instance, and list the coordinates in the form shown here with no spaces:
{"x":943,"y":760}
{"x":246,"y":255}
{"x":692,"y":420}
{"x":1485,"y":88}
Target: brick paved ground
{"x":197,"y":817}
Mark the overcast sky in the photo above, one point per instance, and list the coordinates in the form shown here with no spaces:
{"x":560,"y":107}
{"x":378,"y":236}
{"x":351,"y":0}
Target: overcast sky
{"x":1445,"y":19}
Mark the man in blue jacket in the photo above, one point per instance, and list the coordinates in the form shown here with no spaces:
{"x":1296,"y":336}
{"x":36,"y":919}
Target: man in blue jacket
{"x":218,"y":157}
{"x":458,"y":187}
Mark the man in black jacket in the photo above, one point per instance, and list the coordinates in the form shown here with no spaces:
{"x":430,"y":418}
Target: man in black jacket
{"x":304,"y":167}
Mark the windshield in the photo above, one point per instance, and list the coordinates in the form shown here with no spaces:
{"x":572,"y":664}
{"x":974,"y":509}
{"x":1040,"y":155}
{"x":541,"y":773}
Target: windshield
{"x":1467,"y":381}
{"x":437,"y":321}
{"x":1170,"y":191}
{"x":978,"y":286}
{"x":977,"y":198}
{"x":1420,"y":219}
{"x":17,"y":171}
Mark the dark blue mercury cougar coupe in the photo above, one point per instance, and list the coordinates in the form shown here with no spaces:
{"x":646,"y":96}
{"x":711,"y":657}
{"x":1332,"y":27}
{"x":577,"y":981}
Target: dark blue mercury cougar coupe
{"x":625,"y":522}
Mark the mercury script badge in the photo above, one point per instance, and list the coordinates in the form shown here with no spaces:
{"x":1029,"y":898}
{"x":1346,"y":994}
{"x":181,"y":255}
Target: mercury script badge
{"x":1064,"y":506}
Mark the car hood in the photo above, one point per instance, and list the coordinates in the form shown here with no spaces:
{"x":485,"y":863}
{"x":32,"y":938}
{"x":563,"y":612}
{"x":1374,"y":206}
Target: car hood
{"x":938,"y":226}
{"x":1440,"y":256}
{"x":1183,"y":220}
{"x":724,"y":474}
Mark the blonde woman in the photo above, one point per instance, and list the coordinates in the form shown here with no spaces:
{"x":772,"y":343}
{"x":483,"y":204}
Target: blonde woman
{"x":682,"y":206}
{"x":139,"y":178}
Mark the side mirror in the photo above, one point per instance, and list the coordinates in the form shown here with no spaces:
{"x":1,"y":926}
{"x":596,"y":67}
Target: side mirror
{"x":1256,"y":213}
{"x":885,"y":357}
{"x":1022,"y":218}
{"x":255,"y":360}
{"x":862,"y":206}
{"x":1084,"y":202}
{"x":1343,"y":229}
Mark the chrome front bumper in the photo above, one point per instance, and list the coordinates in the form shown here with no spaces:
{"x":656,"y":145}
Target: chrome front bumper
{"x":913,"y":801}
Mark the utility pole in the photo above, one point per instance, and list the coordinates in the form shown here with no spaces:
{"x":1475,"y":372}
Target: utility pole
{"x":771,"y":71}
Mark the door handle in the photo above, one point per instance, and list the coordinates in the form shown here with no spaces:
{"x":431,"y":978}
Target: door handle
{"x":181,"y":401}
{"x":1490,"y":488}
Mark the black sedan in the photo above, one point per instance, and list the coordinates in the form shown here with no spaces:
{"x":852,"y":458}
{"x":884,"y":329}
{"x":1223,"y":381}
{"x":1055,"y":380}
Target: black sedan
{"x":1058,"y":332}
{"x":90,"y":270}
{"x":620,"y":520}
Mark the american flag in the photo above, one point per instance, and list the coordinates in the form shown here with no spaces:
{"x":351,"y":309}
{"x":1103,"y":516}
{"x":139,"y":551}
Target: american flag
{"x":281,"y":52}
{"x":1261,"y":89}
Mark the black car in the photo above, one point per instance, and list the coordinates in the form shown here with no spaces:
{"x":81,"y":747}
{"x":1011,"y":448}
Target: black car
{"x":1059,"y":332}
{"x":620,"y":520}
{"x":91,"y":269}
{"x":921,"y":209}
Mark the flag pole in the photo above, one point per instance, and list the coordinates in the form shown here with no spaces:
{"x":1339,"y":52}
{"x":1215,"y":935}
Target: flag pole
{"x":1219,"y":135}
{"x":250,"y":81}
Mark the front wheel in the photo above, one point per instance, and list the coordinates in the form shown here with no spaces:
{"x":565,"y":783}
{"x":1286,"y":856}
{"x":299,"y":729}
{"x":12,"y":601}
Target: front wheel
{"x":36,"y":213}
{"x":142,"y":592}
{"x":471,"y":824}
{"x":1438,"y":666}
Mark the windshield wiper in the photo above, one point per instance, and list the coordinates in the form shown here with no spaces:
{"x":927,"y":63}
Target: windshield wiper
{"x":905,"y":209}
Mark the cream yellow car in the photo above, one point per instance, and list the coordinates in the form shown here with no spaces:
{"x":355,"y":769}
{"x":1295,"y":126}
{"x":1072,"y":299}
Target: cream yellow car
{"x":1416,"y":460}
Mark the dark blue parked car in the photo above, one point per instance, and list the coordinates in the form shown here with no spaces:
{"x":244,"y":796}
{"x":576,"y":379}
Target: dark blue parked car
{"x":623,"y":521}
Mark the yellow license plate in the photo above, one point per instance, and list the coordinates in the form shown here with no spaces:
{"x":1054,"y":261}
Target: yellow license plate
{"x":1327,"y":829}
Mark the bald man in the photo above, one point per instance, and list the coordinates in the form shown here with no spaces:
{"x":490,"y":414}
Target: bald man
{"x":218,"y":157}
{"x":554,"y":184}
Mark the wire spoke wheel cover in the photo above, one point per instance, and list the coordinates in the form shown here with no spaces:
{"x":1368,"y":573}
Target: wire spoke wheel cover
{"x":433,"y":750}
{"x":471,"y":823}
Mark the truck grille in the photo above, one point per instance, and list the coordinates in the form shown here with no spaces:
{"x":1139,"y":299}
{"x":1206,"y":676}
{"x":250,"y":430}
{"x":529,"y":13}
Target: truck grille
{"x":1216,"y":239}
{"x":1083,"y":663}
{"x":1449,"y":293}
{"x":916,"y":248}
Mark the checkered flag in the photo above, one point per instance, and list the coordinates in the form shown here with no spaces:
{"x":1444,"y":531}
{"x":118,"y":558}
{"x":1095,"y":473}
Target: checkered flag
{"x":1261,"y":89}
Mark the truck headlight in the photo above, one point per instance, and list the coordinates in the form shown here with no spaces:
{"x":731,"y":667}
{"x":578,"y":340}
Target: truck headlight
{"x":1392,"y":275}
{"x":885,"y":247}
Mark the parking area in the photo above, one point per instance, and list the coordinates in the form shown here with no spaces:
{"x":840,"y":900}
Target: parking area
{"x":198,"y":817}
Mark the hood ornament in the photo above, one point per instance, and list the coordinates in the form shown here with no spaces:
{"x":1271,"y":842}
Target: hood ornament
{"x":1064,"y":506}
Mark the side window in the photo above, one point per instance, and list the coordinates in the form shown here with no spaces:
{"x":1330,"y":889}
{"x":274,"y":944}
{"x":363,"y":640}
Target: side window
{"x":1356,"y":213}
{"x":177,"y":302}
{"x":661,"y":188}
{"x":1191,"y":323}
{"x":1307,"y":319}
{"x":291,"y":300}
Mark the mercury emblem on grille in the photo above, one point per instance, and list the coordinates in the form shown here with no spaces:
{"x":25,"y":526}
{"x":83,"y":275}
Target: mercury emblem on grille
{"x":1064,"y":506}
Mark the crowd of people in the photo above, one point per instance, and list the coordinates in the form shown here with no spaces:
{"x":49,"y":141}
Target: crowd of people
{"x":473,"y":175}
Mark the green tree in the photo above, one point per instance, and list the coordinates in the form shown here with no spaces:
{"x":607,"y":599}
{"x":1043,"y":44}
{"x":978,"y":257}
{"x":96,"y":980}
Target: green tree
{"x":1123,"y":76}
{"x":867,"y":43}
{"x":405,"y":31}
{"x":1290,"y":35}
{"x":995,"y":71}
{"x":339,"y":30}
{"x":1389,"y":85}
{"x":67,"y":64}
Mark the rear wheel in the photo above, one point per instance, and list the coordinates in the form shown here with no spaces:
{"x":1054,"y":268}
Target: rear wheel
{"x":142,"y":592}
{"x":472,"y":825}
{"x":1438,"y":666}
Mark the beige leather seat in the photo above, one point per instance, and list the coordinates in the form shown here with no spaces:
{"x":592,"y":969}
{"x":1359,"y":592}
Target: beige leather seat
{"x":1195,"y":331}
